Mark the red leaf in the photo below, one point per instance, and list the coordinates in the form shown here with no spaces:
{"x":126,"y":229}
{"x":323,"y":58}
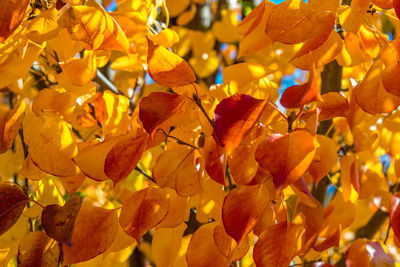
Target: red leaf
{"x":396,"y":5}
{"x":234,"y":117}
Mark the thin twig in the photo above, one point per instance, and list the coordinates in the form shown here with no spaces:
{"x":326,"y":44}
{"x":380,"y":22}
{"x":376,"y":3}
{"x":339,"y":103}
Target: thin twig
{"x":387,"y":233}
{"x":144,"y":174}
{"x":107,"y":82}
{"x":198,"y":103}
{"x":177,"y":139}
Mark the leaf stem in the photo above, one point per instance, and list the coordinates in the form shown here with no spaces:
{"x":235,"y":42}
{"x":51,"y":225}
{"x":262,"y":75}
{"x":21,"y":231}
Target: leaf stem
{"x":198,"y":103}
{"x":34,"y":201}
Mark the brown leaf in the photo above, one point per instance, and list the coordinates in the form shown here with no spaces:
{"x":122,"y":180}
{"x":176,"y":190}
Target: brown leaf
{"x":94,"y":231}
{"x":36,"y":250}
{"x":166,"y":68}
{"x":143,"y":211}
{"x":12,"y":204}
{"x":58,"y":222}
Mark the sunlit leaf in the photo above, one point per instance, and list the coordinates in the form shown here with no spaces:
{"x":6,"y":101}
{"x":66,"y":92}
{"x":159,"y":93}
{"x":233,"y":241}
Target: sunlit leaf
{"x":287,"y":156}
{"x":234,"y":117}
{"x":166,"y":68}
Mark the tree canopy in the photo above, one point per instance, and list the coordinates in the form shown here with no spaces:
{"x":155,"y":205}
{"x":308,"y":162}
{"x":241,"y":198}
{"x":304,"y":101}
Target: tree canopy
{"x":199,"y":133}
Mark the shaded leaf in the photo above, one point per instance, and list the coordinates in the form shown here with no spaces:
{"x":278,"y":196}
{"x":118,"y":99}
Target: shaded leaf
{"x":277,"y":245}
{"x":58,"y":222}
{"x":203,"y":250}
{"x":124,"y":156}
{"x":215,"y":160}
{"x":242,"y":209}
{"x":332,"y":105}
{"x":94,"y":231}
{"x":37,"y":249}
{"x":143,"y":211}
{"x":12,"y":204}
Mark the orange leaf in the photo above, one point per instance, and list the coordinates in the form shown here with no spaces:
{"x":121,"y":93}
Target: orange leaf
{"x":94,"y":231}
{"x":320,"y":36}
{"x":158,"y":107}
{"x":371,"y":95}
{"x":332,"y":105}
{"x":143,"y":211}
{"x":385,"y":4}
{"x":215,"y":160}
{"x":287,"y":157}
{"x":91,"y":159}
{"x":166,"y":68}
{"x":203,"y":251}
{"x":391,"y":79}
{"x":325,"y":158}
{"x":11,"y":15}
{"x":298,"y":95}
{"x":277,"y":245}
{"x":234,"y":117}
{"x":58,"y":222}
{"x":242,"y":209}
{"x":253,"y":27}
{"x":167,"y":171}
{"x":12,"y":204}
{"x":293,"y":24}
{"x":124,"y":155}
{"x":11,"y":124}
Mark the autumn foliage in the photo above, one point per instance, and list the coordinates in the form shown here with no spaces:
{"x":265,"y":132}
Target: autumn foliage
{"x":199,"y":133}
